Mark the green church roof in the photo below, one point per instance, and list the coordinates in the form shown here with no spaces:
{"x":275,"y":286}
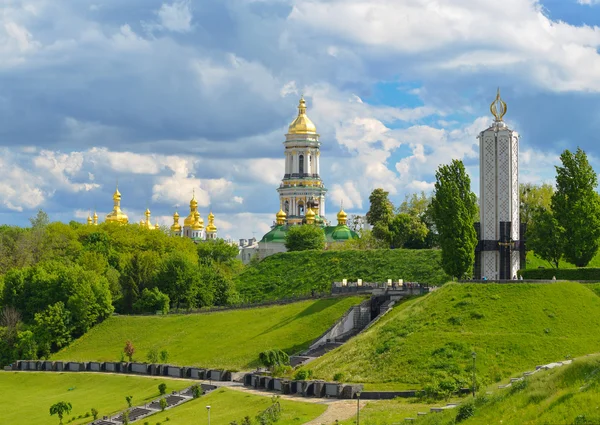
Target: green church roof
{"x":276,"y":234}
{"x":332,"y":234}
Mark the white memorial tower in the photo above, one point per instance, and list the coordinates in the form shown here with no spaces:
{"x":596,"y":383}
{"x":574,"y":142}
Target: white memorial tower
{"x":499,"y":250}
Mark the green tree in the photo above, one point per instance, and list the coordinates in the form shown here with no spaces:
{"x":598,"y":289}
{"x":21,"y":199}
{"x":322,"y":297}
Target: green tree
{"x":546,"y":237}
{"x":406,"y":229}
{"x":454,"y":208}
{"x":94,"y":413}
{"x":272,"y":358}
{"x":305,"y":237}
{"x":162,"y":388}
{"x":53,"y":328}
{"x":163,"y":404}
{"x":217,"y":250}
{"x":381,"y":209}
{"x":152,"y":355}
{"x":180,"y":279}
{"x":532,"y":198}
{"x":129,"y":400}
{"x":60,"y":409}
{"x":164,"y":356}
{"x":576,"y":207}
{"x":152,"y":301}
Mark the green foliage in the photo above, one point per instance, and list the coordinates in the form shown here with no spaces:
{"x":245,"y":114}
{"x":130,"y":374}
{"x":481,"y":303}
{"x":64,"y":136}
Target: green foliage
{"x":304,"y":238}
{"x":164,"y":356}
{"x":163,"y":404}
{"x":406,"y":230}
{"x":129,"y":400}
{"x":217,"y":251}
{"x":417,"y":344}
{"x":272,"y":358}
{"x":303,"y":374}
{"x":129,"y":350}
{"x":465,"y":411}
{"x":94,"y":412}
{"x":53,"y":327}
{"x":197,"y":391}
{"x":338,"y":377}
{"x":162,"y":388}
{"x":381,"y":210}
{"x":271,"y":414}
{"x":151,"y":301}
{"x":299,"y":273}
{"x":126,"y":417}
{"x":546,"y":237}
{"x":291,"y":327}
{"x":576,"y":207}
{"x":152,"y":355}
{"x":532,"y":199}
{"x":583,"y":273}
{"x":454,"y":208}
{"x":60,"y":408}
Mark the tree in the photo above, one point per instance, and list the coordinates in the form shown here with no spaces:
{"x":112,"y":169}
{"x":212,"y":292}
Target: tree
{"x":94,"y":413}
{"x":454,"y":208}
{"x":162,"y":388}
{"x":576,"y":207}
{"x":164,"y":356}
{"x":163,"y":404}
{"x":152,"y":301}
{"x":10,"y":318}
{"x":272,"y":358}
{"x":217,"y":250}
{"x":60,"y":409}
{"x":152,"y":355}
{"x":305,"y":237}
{"x":381,"y":209}
{"x":546,"y":237}
{"x":406,"y":229}
{"x":197,"y":391}
{"x":533,"y":197}
{"x":53,"y":328}
{"x":356,"y":222}
{"x":129,"y":400}
{"x":40,"y":220}
{"x":129,"y":350}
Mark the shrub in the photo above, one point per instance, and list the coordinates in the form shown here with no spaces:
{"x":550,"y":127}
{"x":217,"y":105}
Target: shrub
{"x":126,"y":417}
{"x":465,"y":411}
{"x":197,"y":391}
{"x":152,"y":355}
{"x":581,"y":273}
{"x":129,"y":350}
{"x":164,"y":356}
{"x":455,"y":320}
{"x":129,"y":399}
{"x":95,"y":413}
{"x":162,"y":388}
{"x":163,"y":404}
{"x":272,"y":358}
{"x":303,"y":374}
{"x":151,"y":301}
{"x":338,"y":377}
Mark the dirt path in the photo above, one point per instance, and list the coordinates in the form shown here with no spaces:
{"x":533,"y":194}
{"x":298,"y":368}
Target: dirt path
{"x":337,"y":410}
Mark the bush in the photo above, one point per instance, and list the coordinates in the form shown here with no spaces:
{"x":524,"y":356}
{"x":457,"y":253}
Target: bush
{"x":582,"y":273}
{"x":152,"y":355}
{"x":272,"y":358}
{"x":152,"y":301}
{"x":338,"y":377}
{"x":303,"y":374}
{"x":164,"y":356}
{"x":162,"y":388}
{"x":465,"y":411}
{"x":163,"y":404}
{"x":197,"y":391}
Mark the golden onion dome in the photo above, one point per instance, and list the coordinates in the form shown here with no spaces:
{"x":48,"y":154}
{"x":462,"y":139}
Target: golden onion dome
{"x":156,"y":226}
{"x":193,"y":201}
{"x":116,"y":215}
{"x":211,"y":216}
{"x":211,"y":228}
{"x":280,"y":217}
{"x":342,"y":217}
{"x":147,"y":213}
{"x":95,"y":218}
{"x":176,"y":215}
{"x":310,"y":216}
{"x":198,"y":218}
{"x":302,"y":124}
{"x":176,"y":227}
{"x":89,"y":219}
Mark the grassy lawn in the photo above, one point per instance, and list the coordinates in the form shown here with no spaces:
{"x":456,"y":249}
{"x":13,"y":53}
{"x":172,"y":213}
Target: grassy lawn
{"x":230,"y":405}
{"x":566,"y":395}
{"x":385,"y":412}
{"x":294,"y":273}
{"x":230,"y":339}
{"x":29,"y":395}
{"x":512,"y":328}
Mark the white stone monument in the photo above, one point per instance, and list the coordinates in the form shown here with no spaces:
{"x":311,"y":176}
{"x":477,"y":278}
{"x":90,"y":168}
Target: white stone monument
{"x":498,"y":252}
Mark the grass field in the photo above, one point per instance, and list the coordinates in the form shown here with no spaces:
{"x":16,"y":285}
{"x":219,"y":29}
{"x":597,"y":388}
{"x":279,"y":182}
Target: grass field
{"x":566,"y":395}
{"x":511,"y":327}
{"x":27,"y":396}
{"x":230,"y":405}
{"x":294,"y":273}
{"x":230,"y":339}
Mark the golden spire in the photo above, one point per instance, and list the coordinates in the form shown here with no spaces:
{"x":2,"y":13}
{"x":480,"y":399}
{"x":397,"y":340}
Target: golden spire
{"x":89,"y":219}
{"x":189,"y":220}
{"x":280,"y":217}
{"x":95,"y":218}
{"x":310,"y":216}
{"x":302,"y":124}
{"x":211,"y":228}
{"x":498,"y":107}
{"x":116,"y":215}
{"x":342,"y":216}
{"x":176,"y":228}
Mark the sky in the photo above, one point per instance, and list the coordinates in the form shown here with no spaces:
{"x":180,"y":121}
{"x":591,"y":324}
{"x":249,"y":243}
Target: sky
{"x":171,"y":97}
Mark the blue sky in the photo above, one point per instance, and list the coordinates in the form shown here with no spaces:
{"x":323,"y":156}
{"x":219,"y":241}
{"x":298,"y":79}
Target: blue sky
{"x":172,"y":96}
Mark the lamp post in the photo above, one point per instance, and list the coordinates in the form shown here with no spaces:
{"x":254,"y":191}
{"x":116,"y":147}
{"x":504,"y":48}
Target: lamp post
{"x":474,"y":356}
{"x":208,"y":409}
{"x":358,"y":408}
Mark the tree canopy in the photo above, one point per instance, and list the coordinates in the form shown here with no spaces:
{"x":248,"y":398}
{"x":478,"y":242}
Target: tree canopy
{"x":305,"y":237}
{"x":454,"y":208}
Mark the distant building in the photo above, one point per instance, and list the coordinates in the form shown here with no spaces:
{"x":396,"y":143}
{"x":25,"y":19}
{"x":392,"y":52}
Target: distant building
{"x":301,"y":193}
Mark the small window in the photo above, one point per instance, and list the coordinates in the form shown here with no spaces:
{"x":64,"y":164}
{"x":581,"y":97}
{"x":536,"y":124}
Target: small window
{"x":301,"y":164}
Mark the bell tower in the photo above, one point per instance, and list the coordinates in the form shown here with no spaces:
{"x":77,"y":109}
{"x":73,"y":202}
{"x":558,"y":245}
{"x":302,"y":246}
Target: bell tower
{"x":500,"y":248}
{"x":301,"y":188}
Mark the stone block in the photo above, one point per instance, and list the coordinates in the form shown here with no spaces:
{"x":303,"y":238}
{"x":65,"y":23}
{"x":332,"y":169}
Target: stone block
{"x":174,"y":371}
{"x":94,"y":366}
{"x":214,"y":375}
{"x":286,"y":387}
{"x":319,"y":390}
{"x":332,"y":389}
{"x":140,"y":368}
{"x":59,"y":366}
{"x":349,"y":391}
{"x":195,"y":373}
{"x":277,"y":384}
{"x":110,"y":367}
{"x":74,"y":367}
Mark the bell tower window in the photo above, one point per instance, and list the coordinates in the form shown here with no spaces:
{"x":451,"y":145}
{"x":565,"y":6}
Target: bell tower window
{"x":301,"y":165}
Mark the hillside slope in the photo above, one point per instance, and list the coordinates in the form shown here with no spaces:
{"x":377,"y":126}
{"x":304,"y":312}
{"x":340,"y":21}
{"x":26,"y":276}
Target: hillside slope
{"x":229,"y":339}
{"x":295,"y":273}
{"x":511,"y":327}
{"x":566,"y":395}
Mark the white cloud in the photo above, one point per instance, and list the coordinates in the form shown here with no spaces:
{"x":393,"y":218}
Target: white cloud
{"x":588,"y":2}
{"x":176,"y":16}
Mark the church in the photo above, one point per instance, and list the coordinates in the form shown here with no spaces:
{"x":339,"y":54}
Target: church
{"x":301,"y":193}
{"x":193,"y":224}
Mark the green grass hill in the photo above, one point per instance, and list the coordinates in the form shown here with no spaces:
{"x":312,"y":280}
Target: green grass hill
{"x":228,"y":339}
{"x":565,"y":395}
{"x":29,"y":395}
{"x":511,"y":327}
{"x":296,"y":273}
{"x":228,"y":405}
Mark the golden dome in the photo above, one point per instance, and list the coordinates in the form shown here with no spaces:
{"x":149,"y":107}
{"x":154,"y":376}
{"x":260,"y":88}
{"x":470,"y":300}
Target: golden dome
{"x":198,"y":222}
{"x":95,"y":218}
{"x":310,"y":216}
{"x":342,"y":217}
{"x":116,"y":215}
{"x":302,"y":124}
{"x":193,"y":202}
{"x":147,"y":213}
{"x":89,"y":220}
{"x":176,"y":227}
{"x":211,"y":228}
{"x":156,"y":226}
